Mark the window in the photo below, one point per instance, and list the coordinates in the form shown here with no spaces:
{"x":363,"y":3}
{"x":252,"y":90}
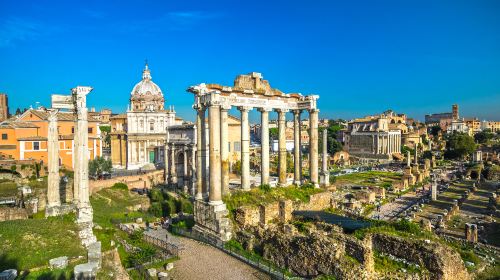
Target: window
{"x":36,"y":146}
{"x":152,"y":126}
{"x":237,"y":146}
{"x":4,"y":136}
{"x":90,"y":129}
{"x":229,"y":147}
{"x":73,"y":129}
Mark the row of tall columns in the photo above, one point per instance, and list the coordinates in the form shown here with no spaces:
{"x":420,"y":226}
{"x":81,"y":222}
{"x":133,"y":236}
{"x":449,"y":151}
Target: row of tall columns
{"x":218,"y":177}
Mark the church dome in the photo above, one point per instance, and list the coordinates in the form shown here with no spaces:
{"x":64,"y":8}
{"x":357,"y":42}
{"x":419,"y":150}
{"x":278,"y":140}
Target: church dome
{"x":146,"y":87}
{"x":146,"y":95}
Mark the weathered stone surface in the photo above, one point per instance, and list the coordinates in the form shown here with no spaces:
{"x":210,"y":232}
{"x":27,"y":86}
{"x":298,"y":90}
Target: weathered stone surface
{"x":169,"y":266}
{"x":94,"y":253}
{"x":152,"y":272}
{"x":58,"y":263}
{"x":9,"y":274}
{"x":212,"y":221}
{"x":162,"y":275}
{"x":13,"y":213}
{"x":440,"y":261}
{"x":85,"y":271}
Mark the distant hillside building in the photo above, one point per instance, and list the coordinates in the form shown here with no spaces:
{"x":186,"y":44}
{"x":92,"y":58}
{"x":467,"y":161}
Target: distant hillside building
{"x":4,"y":107}
{"x":371,"y":138}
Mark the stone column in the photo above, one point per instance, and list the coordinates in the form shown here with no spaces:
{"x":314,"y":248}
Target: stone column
{"x":76,"y":166}
{"x":165,"y":158}
{"x":325,"y":174}
{"x":193,"y":181}
{"x":282,"y":147}
{"x":204,"y":155}
{"x":53,"y":191}
{"x":224,"y":149}
{"x":408,"y":160}
{"x":84,"y":211}
{"x":173,"y":167}
{"x":199,"y":131}
{"x":264,"y":139}
{"x":297,"y":155}
{"x":313,"y":146}
{"x":416,"y":154}
{"x":215,"y":194}
{"x":185,"y":177}
{"x":245,"y":149}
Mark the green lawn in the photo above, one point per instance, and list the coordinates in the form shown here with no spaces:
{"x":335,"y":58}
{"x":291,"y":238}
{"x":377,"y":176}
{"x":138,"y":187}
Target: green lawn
{"x":115,"y":204}
{"x":368,"y":178}
{"x":259,"y":196}
{"x":8,"y":188}
{"x":32,"y":243}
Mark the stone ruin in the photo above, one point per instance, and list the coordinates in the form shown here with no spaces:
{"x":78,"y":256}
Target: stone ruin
{"x":325,"y":250}
{"x":471,"y":232}
{"x":77,"y":103}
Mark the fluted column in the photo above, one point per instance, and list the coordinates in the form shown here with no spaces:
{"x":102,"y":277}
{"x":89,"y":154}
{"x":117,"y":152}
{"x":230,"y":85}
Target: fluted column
{"x":173,"y":167}
{"x":297,"y":158}
{"x":200,"y":119}
{"x":224,"y":149}
{"x":215,"y":193}
{"x":194,"y":190}
{"x":245,"y":149}
{"x":165,"y":157}
{"x":264,"y":140}
{"x":324,"y":167}
{"x":313,"y":146}
{"x":53,"y":191}
{"x":185,"y":177}
{"x":203,"y":152}
{"x":282,"y":147}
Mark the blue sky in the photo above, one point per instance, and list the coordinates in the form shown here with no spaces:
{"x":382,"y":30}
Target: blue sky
{"x":361,"y":57}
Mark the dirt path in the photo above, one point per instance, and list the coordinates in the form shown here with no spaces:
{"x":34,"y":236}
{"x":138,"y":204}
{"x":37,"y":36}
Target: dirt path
{"x":201,"y":261}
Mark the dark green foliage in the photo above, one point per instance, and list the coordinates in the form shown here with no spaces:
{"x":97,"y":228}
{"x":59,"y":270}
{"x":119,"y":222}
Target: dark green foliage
{"x":333,"y":179}
{"x":273,"y":133}
{"x":459,"y":145}
{"x":265,"y":188}
{"x":333,"y":145}
{"x":13,"y":168}
{"x":120,"y":186}
{"x":99,"y":166}
{"x":435,"y":130}
{"x":483,"y":137}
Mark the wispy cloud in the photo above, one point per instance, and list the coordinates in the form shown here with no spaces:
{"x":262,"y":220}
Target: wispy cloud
{"x":179,"y":20}
{"x":15,"y":29}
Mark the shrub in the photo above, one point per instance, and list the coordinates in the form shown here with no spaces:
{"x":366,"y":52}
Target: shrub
{"x":120,"y":186}
{"x":265,"y":188}
{"x":13,"y":168}
{"x":156,"y":209}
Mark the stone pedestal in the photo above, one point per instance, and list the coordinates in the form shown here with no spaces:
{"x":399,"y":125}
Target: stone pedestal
{"x":433,"y":191}
{"x":212,"y":222}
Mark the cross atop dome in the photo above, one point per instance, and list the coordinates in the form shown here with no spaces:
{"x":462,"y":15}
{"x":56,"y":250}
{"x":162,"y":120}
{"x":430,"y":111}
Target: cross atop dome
{"x":146,"y":74}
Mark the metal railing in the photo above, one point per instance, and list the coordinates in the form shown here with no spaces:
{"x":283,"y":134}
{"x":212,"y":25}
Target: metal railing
{"x":264,"y":266}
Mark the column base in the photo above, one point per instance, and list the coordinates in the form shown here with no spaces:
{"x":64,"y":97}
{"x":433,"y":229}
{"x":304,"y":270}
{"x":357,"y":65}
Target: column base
{"x":215,"y":202}
{"x":212,"y":222}
{"x":58,"y":210}
{"x":199,"y":196}
{"x":324,"y":179}
{"x":297,"y":182}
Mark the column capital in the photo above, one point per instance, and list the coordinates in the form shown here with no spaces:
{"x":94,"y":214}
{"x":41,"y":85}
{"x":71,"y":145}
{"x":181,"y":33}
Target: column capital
{"x":297,"y":111}
{"x":262,"y":110}
{"x":244,"y":108}
{"x":52,"y":114}
{"x":199,"y":107}
{"x":280,"y":110}
{"x":225,"y":107}
{"x":314,"y":110}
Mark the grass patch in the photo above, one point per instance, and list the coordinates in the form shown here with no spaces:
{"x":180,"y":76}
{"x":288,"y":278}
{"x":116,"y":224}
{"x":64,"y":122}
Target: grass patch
{"x":265,"y":195}
{"x":369,"y":178}
{"x":387,"y":264}
{"x":8,"y":188}
{"x":32,"y":243}
{"x":115,"y":204}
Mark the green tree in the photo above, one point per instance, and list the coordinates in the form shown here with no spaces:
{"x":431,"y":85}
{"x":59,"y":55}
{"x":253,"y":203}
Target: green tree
{"x":99,"y":166}
{"x":273,"y":133}
{"x":483,"y":137}
{"x":435,"y":130}
{"x":333,"y":145}
{"x":106,"y":130}
{"x":459,"y":145}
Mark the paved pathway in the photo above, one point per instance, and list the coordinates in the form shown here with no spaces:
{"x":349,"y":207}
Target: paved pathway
{"x":391,"y":210}
{"x":201,"y":261}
